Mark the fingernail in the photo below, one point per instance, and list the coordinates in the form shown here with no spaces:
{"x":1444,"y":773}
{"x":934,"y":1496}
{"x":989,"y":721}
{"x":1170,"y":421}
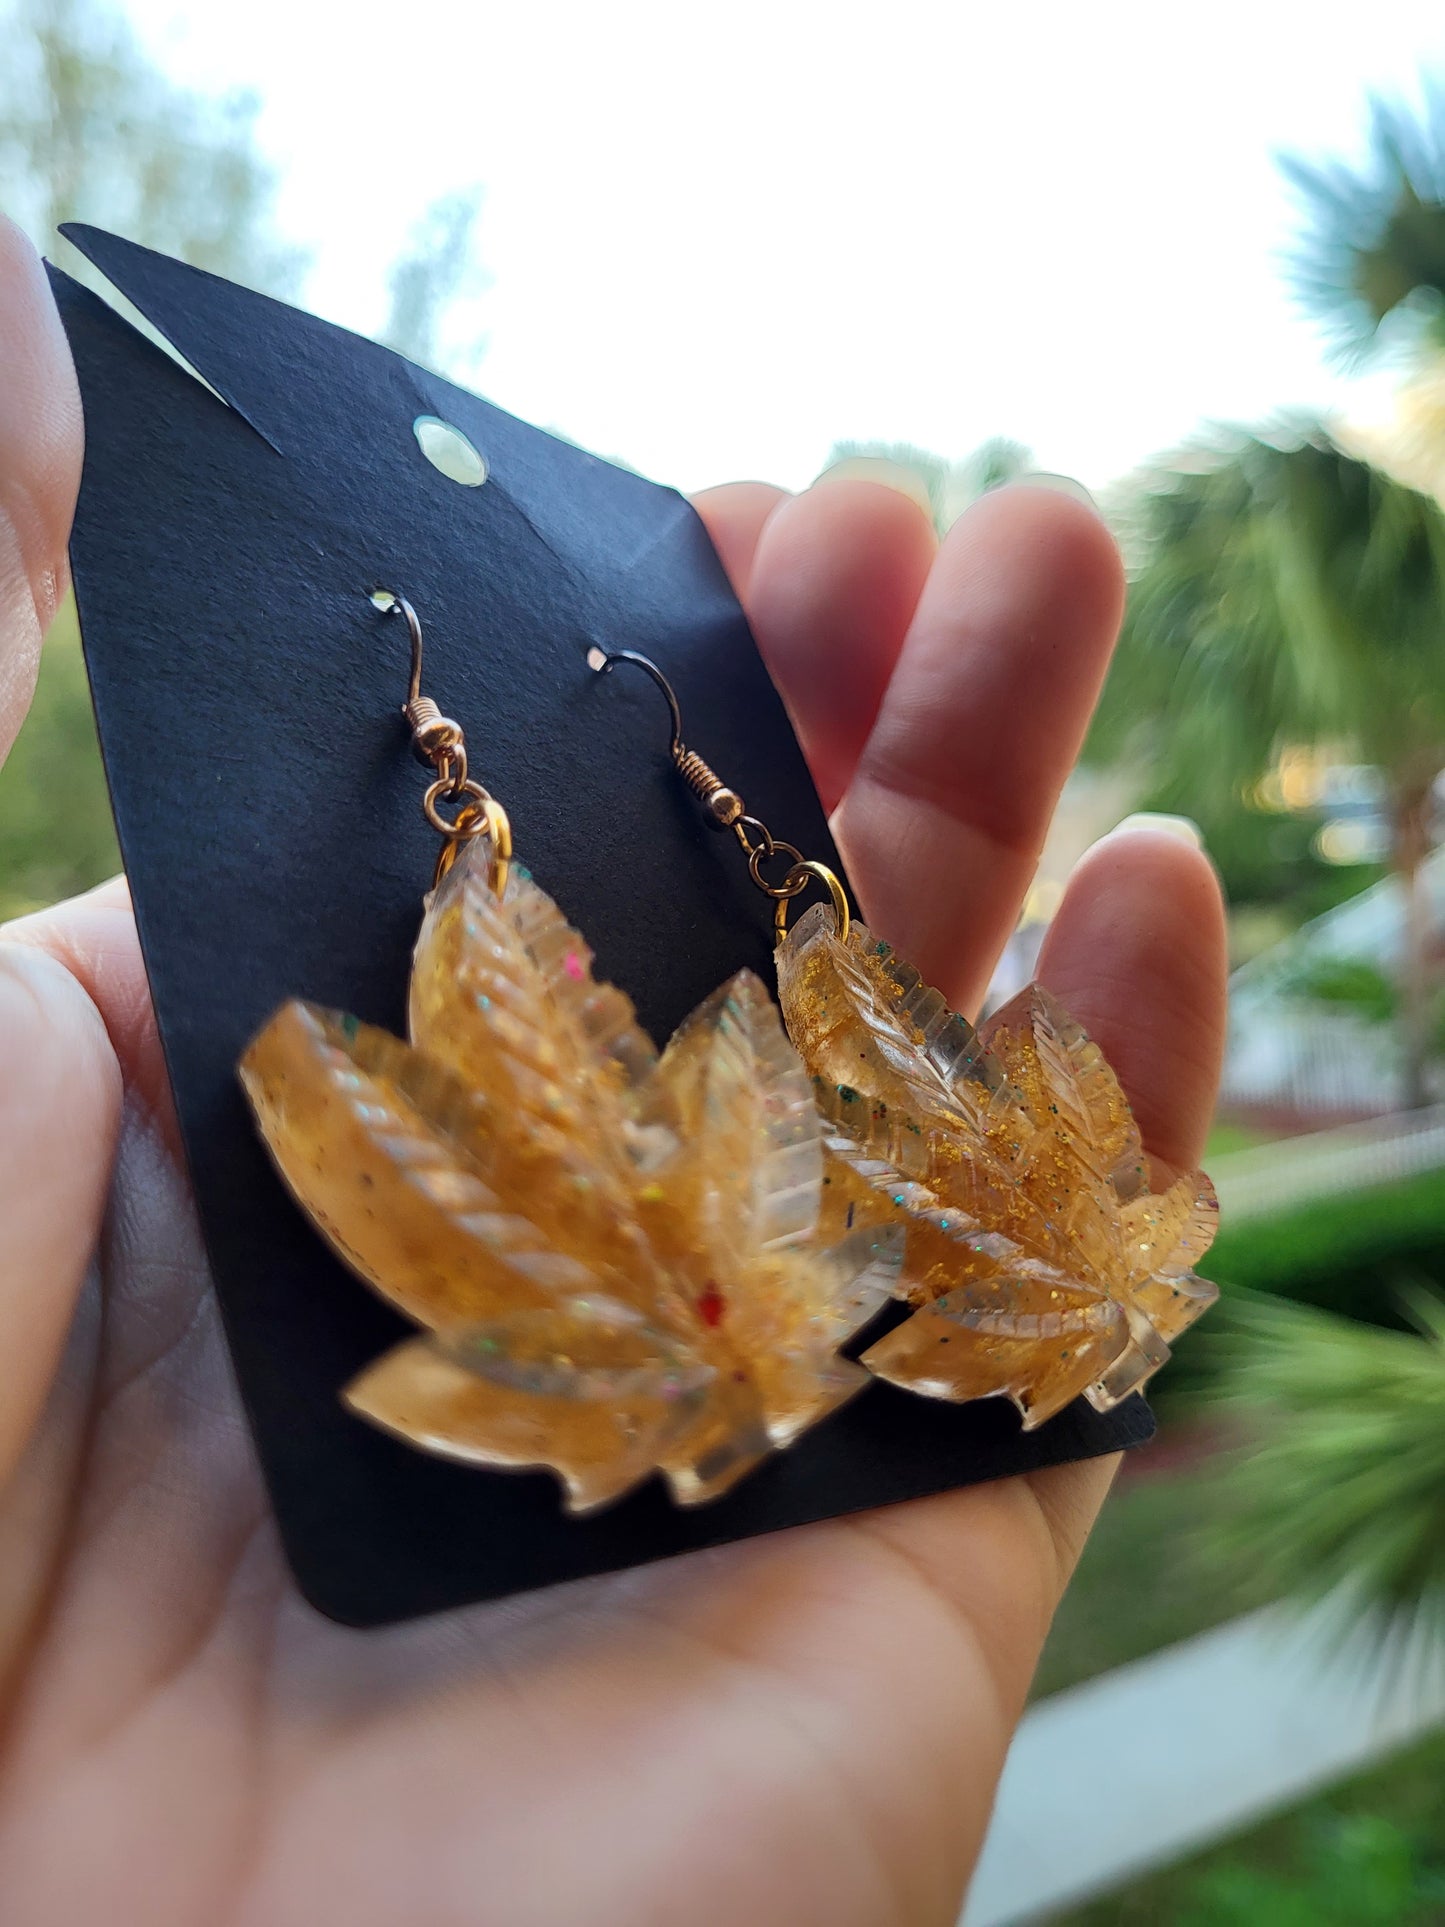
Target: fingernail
{"x":882,"y":469}
{"x":1183,"y":827}
{"x":1060,"y":484}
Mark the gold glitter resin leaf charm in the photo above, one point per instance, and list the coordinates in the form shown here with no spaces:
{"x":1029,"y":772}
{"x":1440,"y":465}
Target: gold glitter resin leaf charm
{"x":621,"y":1264}
{"x":1041,"y":1265}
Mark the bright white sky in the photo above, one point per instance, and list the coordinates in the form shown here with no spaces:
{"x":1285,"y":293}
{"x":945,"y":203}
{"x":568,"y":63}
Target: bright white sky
{"x":723,"y":236}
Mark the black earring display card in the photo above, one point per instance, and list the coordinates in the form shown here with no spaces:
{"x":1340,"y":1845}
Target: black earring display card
{"x":230,"y":532}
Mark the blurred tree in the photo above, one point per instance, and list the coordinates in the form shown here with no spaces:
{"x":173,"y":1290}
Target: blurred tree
{"x":438,"y":268}
{"x":91,"y":129}
{"x":1341,"y":1485}
{"x":1371,"y":261}
{"x":1288,"y":593}
{"x":944,"y":488}
{"x":1268,"y":859}
{"x":1370,"y":266}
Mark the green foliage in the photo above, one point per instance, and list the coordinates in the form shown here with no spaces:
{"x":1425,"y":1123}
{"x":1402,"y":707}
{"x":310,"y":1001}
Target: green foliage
{"x":1370,"y":1853}
{"x":1150,"y":1576}
{"x":1373,"y":247}
{"x":1348,"y":983}
{"x":55,"y":830}
{"x":1361,"y":1415}
{"x":1264,"y":857}
{"x":91,"y":129}
{"x":1349,"y":1870}
{"x":1225,"y":1138}
{"x":1356,"y":1254}
{"x":1348,"y":1254}
{"x":1342,"y":1484}
{"x":1355,"y":984}
{"x":1153,"y":1573}
{"x":1286,"y":593}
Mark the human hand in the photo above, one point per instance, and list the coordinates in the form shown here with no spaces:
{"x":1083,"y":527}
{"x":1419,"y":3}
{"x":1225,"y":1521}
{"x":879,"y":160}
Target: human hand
{"x":806,"y":1727}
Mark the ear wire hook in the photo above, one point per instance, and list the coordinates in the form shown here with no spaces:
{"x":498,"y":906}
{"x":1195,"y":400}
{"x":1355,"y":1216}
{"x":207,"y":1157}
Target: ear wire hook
{"x":435,"y":737}
{"x":726,"y":810}
{"x":603,"y":660}
{"x":440,"y":742}
{"x":392,"y":604}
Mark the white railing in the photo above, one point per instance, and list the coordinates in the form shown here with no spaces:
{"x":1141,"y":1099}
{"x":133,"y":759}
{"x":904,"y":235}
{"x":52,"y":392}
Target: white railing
{"x":1273,"y":1177}
{"x":1146,"y":1765}
{"x":1316,"y":1062}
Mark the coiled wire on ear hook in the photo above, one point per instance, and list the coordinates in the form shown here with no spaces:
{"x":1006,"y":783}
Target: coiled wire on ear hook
{"x":725,"y":809}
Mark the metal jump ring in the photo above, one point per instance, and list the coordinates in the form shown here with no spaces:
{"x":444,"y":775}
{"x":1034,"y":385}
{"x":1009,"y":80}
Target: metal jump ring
{"x":804,"y":871}
{"x":484,"y":817}
{"x":464,"y":824}
{"x":787,"y":888}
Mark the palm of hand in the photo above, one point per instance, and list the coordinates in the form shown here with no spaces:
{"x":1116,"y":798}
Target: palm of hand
{"x":801,"y":1728}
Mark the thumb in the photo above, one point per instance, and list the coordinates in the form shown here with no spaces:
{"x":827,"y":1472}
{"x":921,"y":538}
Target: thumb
{"x":40,"y":452}
{"x":60,"y":1092}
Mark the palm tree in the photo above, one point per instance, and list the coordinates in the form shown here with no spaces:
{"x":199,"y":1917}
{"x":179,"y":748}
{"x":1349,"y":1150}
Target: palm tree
{"x":1292,"y":593}
{"x":1287,"y":594}
{"x":1339,"y":1487}
{"x":1371,"y":261}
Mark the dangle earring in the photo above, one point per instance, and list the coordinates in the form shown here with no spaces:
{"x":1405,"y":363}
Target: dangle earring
{"x":1040,"y":1263}
{"x":617,"y":1259}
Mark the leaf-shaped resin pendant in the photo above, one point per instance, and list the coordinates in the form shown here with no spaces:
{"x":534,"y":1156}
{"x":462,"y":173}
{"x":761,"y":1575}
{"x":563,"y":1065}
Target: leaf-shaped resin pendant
{"x":1041,"y":1264}
{"x":617,"y":1259}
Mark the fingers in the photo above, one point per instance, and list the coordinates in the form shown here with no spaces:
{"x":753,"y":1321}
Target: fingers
{"x":734,"y":516}
{"x":40,"y":451}
{"x":984,"y":714}
{"x":1138,"y":954}
{"x":60,"y":1092}
{"x":941,"y":696}
{"x":94,"y":938}
{"x":830,"y":580}
{"x":59,"y":1081}
{"x":834,"y":584}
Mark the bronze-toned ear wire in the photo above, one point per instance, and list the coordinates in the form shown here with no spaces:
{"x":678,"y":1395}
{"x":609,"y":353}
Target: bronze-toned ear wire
{"x":441,"y":744}
{"x":725,"y":810}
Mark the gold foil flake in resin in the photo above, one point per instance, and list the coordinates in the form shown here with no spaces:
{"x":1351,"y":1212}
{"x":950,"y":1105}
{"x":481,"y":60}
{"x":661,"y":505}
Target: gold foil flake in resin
{"x":1041,"y":1264}
{"x":620,"y":1263}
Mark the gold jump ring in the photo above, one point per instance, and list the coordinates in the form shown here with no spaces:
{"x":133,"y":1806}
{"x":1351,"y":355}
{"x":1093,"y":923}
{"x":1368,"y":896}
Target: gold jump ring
{"x":799,"y":876}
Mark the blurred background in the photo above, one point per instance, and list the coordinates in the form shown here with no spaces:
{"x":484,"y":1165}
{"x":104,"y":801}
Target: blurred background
{"x":1195,"y":264}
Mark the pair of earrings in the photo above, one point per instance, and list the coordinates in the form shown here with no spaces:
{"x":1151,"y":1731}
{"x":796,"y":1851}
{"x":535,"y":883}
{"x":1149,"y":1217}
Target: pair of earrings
{"x":625,"y":1263}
